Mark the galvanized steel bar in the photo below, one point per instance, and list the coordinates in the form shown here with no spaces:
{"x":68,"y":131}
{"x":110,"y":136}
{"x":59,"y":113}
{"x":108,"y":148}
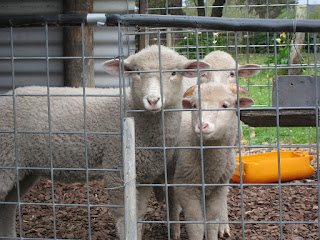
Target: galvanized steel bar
{"x":129,"y":168}
{"x":15,"y":131}
{"x":163,"y":148}
{"x":85,"y":128}
{"x":215,"y":23}
{"x":150,"y":20}
{"x":239,"y":140}
{"x":317,"y":128}
{"x":278,"y":136}
{"x":50,"y":135}
{"x":125,"y":159}
{"x":201,"y":144}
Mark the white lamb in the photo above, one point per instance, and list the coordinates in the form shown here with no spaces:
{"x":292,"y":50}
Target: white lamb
{"x":221,"y":60}
{"x":219,"y":129}
{"x":218,"y":60}
{"x":103,"y":114}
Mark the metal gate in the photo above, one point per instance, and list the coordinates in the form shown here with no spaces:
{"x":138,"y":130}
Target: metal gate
{"x":279,"y":210}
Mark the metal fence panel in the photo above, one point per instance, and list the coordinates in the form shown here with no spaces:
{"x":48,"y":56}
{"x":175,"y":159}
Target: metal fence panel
{"x":279,"y":210}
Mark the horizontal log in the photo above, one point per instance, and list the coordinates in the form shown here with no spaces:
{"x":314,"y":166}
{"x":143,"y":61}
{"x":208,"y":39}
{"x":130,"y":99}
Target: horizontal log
{"x":287,"y":117}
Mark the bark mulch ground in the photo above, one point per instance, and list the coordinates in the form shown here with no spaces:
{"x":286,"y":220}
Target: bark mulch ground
{"x":260,"y":210}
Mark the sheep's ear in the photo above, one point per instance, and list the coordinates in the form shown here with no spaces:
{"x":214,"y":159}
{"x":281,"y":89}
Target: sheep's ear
{"x":186,"y":104}
{"x":194,"y":65}
{"x":190,"y":91}
{"x":112,"y":66}
{"x":245,"y":102}
{"x":233,"y":88}
{"x":244,"y":72}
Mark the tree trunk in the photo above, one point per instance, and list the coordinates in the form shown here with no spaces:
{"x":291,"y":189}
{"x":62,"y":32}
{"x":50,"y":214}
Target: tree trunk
{"x":72,"y":42}
{"x":142,"y":37}
{"x":217,"y":11}
{"x":201,"y":11}
{"x":178,"y":11}
{"x":296,"y":49}
{"x":295,"y":54}
{"x":176,"y":37}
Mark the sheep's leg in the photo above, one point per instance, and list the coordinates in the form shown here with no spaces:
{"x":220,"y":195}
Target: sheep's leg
{"x":119,"y":218}
{"x":116,"y":197}
{"x":174,"y":212}
{"x":8,"y":220}
{"x":217,"y":211}
{"x":143,"y":196}
{"x":224,"y":229}
{"x":8,"y":211}
{"x":193,"y":211}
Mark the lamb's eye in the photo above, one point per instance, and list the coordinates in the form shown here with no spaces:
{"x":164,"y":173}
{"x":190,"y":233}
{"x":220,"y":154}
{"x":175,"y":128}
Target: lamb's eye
{"x":173,"y":73}
{"x":194,"y":105}
{"x":225,"y":105}
{"x":232,"y":74}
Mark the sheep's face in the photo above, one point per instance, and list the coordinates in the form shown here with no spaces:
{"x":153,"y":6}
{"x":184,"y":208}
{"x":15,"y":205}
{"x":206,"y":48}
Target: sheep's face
{"x":214,"y":124}
{"x":152,"y":91}
{"x":229,"y":75}
{"x":156,"y":84}
{"x":226,"y":68}
{"x":222,"y":76}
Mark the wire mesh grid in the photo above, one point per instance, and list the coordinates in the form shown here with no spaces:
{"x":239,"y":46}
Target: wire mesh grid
{"x":266,"y":209}
{"x":28,"y":172}
{"x":279,"y":210}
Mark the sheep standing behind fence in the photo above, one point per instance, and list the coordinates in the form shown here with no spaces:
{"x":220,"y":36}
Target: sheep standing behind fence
{"x":31,"y":116}
{"x":223,"y":60}
{"x":220,"y":60}
{"x":218,"y":129}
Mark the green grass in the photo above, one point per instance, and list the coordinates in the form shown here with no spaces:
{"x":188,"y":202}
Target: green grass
{"x":265,"y":136}
{"x":262,"y":95}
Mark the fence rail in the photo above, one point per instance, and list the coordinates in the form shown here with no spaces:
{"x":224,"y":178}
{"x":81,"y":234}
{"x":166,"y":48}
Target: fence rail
{"x":150,"y":20}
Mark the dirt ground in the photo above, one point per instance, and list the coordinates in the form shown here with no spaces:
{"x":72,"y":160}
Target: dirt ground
{"x":260,"y":210}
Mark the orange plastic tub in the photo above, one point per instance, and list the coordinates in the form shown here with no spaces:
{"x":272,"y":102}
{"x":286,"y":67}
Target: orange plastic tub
{"x":263,"y":168}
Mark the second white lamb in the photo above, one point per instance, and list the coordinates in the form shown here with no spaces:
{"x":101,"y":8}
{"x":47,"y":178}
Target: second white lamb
{"x":219,"y":130}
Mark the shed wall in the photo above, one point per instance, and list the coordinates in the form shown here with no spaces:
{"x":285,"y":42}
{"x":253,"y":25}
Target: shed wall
{"x":30,"y":43}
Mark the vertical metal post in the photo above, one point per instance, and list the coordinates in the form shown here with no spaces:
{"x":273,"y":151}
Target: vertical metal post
{"x":278,"y":135}
{"x":129,"y":168}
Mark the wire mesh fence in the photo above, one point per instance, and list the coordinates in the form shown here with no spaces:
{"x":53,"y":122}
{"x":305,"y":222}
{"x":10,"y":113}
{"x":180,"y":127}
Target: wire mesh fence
{"x":56,"y":210}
